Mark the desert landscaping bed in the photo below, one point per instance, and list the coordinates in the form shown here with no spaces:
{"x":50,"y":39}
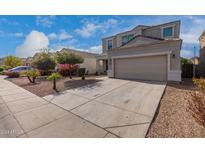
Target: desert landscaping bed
{"x":175,"y":114}
{"x":43,"y":87}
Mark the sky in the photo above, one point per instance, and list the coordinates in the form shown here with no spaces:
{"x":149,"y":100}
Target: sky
{"x":22,"y":36}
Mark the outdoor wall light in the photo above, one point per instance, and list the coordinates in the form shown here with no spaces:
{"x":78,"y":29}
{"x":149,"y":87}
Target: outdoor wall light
{"x":173,"y":55}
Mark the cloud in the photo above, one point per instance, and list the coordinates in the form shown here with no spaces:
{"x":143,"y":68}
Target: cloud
{"x":110,"y":23}
{"x":45,"y":21}
{"x":64,"y":35}
{"x":193,"y":32}
{"x":52,"y":36}
{"x":17,"y":34}
{"x":95,"y":49}
{"x":89,"y":29}
{"x":33,"y":42}
{"x":5,"y":34}
{"x":190,"y":38}
{"x":187,"y":53}
{"x":6,"y":21}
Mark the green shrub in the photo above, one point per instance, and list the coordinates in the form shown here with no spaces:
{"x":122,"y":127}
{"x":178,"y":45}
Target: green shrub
{"x":44,"y":61}
{"x":68,"y":58}
{"x":186,"y":61}
{"x":31,"y":75}
{"x":6,"y":67}
{"x":12,"y":61}
{"x":81,"y":72}
{"x":1,"y":69}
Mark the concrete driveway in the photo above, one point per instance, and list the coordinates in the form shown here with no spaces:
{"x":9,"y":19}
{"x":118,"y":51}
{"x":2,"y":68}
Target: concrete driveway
{"x":108,"y":108}
{"x":122,"y":108}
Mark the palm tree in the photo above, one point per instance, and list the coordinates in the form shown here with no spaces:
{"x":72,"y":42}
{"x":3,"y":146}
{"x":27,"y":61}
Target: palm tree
{"x":53,"y":77}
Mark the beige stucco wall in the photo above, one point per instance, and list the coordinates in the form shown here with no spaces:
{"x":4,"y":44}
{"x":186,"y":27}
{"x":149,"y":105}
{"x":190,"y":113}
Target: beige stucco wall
{"x":89,"y":64}
{"x":174,"y":46}
{"x":153,"y":31}
{"x":156,"y":31}
{"x":105,"y":43}
{"x":202,"y":61}
{"x":119,"y":36}
{"x":202,"y":41}
{"x":202,"y":55}
{"x":140,"y":41}
{"x":117,"y":39}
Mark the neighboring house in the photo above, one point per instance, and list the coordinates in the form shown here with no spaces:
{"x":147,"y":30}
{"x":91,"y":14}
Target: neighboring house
{"x":145,"y":52}
{"x":89,"y":60}
{"x":26,"y":61}
{"x":202,"y":54}
{"x":195,"y":60}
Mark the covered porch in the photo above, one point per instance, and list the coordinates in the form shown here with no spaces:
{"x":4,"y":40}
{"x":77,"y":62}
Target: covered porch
{"x":102,"y":64}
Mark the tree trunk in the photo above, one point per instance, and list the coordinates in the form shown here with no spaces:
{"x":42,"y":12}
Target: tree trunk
{"x":70,"y":74}
{"x":29,"y":79}
{"x":54,"y":84}
{"x":34,"y":79}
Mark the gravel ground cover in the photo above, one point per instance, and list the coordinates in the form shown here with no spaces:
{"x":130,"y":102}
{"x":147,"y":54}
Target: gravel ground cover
{"x":174,"y":118}
{"x":44,"y":87}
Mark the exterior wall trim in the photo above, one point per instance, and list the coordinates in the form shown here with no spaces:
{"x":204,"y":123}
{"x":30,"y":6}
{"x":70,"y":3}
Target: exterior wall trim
{"x":143,"y":55}
{"x":144,"y":45}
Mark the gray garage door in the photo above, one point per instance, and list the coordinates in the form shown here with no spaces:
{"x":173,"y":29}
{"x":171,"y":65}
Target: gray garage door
{"x":144,"y":68}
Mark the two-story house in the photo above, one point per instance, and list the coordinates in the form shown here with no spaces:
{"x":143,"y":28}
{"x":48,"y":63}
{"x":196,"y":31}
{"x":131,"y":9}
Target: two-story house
{"x":145,"y":53}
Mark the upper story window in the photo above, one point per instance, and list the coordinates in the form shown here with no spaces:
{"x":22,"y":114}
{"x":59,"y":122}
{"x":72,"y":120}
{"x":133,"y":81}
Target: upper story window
{"x":109,"y":44}
{"x":127,"y":38}
{"x":168,"y":32}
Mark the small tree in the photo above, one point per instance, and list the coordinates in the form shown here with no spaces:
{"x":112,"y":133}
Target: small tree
{"x":185,"y":61}
{"x":44,"y":61}
{"x":53,"y":77}
{"x":32,"y":75}
{"x":12,"y":61}
{"x":69,"y":58}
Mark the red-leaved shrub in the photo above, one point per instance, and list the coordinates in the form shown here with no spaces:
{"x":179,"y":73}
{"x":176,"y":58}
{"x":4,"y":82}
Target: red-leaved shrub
{"x":45,"y":73}
{"x":67,"y":69}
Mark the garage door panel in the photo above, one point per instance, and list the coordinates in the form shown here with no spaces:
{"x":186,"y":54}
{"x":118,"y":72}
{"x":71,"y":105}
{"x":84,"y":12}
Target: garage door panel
{"x":145,"y":68}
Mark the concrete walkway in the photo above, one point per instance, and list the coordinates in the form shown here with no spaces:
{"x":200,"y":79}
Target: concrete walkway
{"x":109,"y":108}
{"x":23,"y":114}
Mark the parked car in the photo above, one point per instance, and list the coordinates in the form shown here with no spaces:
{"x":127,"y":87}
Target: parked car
{"x":20,"y":68}
{"x":15,"y":72}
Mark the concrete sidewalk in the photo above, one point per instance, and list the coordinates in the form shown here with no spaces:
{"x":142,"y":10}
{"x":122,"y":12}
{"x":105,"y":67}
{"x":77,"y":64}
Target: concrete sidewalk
{"x":23,"y":114}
